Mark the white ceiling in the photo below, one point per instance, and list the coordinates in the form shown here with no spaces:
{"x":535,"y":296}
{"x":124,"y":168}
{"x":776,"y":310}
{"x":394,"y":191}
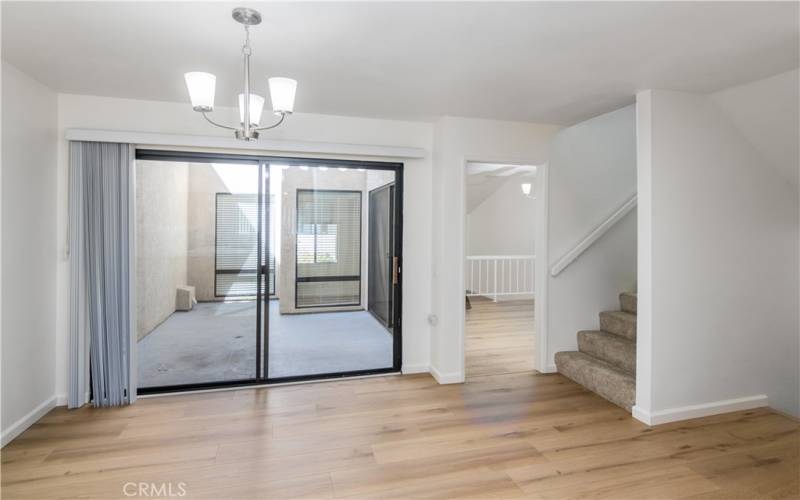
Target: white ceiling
{"x":545,"y":62}
{"x":483,"y":179}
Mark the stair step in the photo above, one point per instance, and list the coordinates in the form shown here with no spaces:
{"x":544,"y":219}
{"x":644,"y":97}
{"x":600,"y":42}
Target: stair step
{"x":627,"y":302}
{"x":613,"y":349}
{"x":598,"y":376}
{"x":619,"y":323}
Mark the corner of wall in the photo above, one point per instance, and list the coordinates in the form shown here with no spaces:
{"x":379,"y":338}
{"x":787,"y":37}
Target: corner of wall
{"x":448,"y":378}
{"x":644,"y":255}
{"x":27,"y":420}
{"x":29,"y":322}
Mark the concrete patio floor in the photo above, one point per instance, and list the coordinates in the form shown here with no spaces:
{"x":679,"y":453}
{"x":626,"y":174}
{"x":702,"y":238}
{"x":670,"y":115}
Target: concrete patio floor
{"x":216,"y":342}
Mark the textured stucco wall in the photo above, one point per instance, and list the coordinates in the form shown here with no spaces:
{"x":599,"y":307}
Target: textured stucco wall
{"x":161,"y":240}
{"x":176,"y":205}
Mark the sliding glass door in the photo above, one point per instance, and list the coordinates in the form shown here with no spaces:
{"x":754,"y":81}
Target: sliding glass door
{"x":199,"y":247}
{"x":320,"y":324}
{"x":259,"y":269}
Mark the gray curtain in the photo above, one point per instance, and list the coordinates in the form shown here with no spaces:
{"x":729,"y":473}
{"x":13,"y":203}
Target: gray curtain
{"x":100,"y":210}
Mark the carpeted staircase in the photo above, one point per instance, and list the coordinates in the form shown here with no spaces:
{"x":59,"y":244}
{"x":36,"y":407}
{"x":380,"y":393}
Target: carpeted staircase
{"x":605,"y":362}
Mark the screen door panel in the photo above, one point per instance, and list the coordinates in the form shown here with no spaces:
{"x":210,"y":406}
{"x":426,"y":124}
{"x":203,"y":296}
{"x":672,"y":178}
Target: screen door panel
{"x":381,"y":228}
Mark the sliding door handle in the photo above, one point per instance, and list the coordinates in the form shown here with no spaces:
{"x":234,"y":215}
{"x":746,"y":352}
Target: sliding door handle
{"x":395,"y":270}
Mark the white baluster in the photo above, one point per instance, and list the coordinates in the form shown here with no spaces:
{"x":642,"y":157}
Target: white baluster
{"x":471,"y":277}
{"x":480,"y":275}
{"x":503,"y":276}
{"x":495,"y":280}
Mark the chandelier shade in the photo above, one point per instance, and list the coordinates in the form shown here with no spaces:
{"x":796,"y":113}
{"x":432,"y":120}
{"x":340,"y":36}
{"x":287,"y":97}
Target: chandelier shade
{"x":256,"y":107}
{"x":201,"y":87}
{"x":281,"y":92}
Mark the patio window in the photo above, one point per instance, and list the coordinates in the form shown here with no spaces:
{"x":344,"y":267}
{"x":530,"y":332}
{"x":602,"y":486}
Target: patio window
{"x":236,"y":246}
{"x":316,"y":243}
{"x":328,"y":248}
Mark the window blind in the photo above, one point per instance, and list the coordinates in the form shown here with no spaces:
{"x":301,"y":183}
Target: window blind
{"x":236,"y":247}
{"x":328,"y":249}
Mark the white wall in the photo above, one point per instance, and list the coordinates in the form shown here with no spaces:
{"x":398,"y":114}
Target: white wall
{"x":765,"y":112}
{"x":592,"y":173}
{"x":503,"y":223}
{"x":77,"y":111}
{"x":718,"y":268}
{"x":458,"y":140}
{"x":29,"y":250}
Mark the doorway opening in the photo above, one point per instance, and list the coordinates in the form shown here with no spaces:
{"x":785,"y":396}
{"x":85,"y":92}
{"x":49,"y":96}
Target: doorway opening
{"x":499,"y":268}
{"x":253,"y":269}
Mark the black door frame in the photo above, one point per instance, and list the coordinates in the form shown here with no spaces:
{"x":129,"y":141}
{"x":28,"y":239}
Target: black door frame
{"x":262,"y":318}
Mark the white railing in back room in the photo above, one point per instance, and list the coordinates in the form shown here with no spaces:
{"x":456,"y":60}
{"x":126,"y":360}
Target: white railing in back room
{"x":498,"y":276}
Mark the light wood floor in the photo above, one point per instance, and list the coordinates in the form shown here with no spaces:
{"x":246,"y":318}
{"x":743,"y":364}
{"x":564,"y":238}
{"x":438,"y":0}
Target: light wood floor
{"x":510,"y":435}
{"x":499,"y":337}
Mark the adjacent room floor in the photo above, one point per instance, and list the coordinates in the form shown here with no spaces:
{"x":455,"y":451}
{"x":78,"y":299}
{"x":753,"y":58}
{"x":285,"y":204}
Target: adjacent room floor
{"x":499,"y":337}
{"x":216,"y":342}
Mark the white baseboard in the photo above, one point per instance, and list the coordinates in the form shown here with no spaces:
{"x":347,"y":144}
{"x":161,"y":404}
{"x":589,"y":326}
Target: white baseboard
{"x":447,"y":378}
{"x":549,"y":369}
{"x":28,"y":420}
{"x":410,"y":369}
{"x":697,"y":411}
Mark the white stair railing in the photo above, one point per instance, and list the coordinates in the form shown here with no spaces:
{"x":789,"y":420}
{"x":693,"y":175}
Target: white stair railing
{"x":499,"y":275}
{"x":593,"y":236}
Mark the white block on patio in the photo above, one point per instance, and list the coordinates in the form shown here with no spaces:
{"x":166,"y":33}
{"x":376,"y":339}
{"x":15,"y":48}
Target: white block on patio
{"x":184,"y":298}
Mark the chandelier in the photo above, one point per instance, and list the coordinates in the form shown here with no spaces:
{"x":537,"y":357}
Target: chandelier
{"x":201,"y":88}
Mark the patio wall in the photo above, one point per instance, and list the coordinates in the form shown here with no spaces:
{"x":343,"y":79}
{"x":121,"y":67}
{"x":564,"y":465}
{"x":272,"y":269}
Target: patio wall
{"x":175,"y":235}
{"x":161,"y":243}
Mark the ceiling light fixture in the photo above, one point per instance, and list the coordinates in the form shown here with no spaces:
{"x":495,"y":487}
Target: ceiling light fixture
{"x":201,"y":88}
{"x":526,"y":189}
